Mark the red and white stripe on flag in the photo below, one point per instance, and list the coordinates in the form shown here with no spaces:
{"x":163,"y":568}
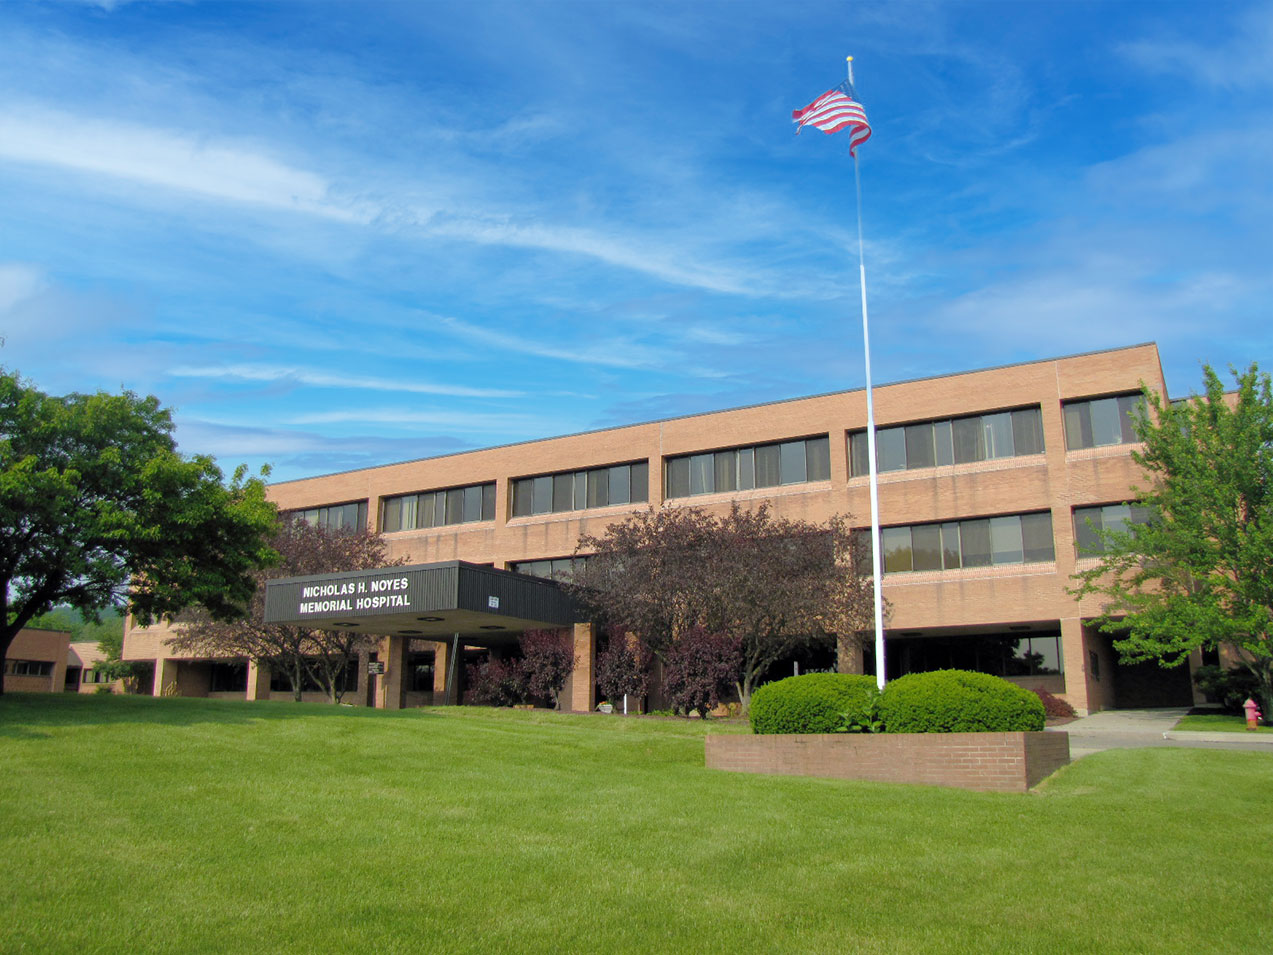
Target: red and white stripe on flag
{"x":832,"y":112}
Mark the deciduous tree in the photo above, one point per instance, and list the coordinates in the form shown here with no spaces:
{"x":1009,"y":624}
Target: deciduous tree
{"x":1199,"y":572}
{"x":323,"y":656}
{"x":774,"y":583}
{"x":98,"y":508}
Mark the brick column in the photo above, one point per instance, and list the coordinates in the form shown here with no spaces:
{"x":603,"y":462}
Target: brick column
{"x":1078,"y":688}
{"x":258,"y":681}
{"x":581,"y":677}
{"x":393,"y":652}
{"x":441,"y":660}
{"x":848,"y":653}
{"x":165,"y":675}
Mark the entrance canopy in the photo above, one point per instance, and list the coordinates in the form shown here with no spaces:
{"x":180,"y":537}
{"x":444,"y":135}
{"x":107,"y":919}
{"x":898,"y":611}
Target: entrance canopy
{"x":422,"y":601}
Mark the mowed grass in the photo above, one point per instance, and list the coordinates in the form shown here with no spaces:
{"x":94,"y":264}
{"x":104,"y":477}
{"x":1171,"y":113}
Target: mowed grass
{"x":168,"y":825}
{"x":1217,"y":723}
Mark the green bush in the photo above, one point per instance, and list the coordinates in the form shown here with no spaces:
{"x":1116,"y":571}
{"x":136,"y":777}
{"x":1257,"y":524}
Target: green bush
{"x":958,"y":701}
{"x":1230,"y":688}
{"x":814,"y":703}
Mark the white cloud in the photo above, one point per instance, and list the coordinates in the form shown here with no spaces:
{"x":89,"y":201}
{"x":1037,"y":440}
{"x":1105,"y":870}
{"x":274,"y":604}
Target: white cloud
{"x":499,"y":422}
{"x":18,"y":283}
{"x":168,"y":159}
{"x":322,"y":379}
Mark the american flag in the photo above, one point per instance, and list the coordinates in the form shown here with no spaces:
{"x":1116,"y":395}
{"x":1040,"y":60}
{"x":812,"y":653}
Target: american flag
{"x":833,"y":111}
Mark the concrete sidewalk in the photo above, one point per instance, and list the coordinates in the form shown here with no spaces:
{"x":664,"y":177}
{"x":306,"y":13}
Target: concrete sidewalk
{"x":1121,"y":729}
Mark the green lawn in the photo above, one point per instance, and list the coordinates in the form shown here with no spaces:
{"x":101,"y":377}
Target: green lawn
{"x":1217,"y":723}
{"x":139,"y":825}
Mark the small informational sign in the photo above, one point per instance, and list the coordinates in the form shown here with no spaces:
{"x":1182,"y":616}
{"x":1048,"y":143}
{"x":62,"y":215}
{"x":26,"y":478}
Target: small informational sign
{"x":375,"y":667}
{"x":492,"y":602}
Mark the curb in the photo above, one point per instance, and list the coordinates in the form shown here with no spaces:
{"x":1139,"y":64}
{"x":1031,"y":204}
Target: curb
{"x":1257,"y":740}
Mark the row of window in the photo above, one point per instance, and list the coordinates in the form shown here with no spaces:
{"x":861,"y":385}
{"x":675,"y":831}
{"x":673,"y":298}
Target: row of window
{"x":556,"y":568}
{"x":745,"y":468}
{"x":1090,"y":423}
{"x":580,"y":490}
{"x":979,"y":542}
{"x":1006,"y":656}
{"x":457,"y":505}
{"x":28,"y":668}
{"x":1090,"y":521}
{"x":928,"y":444}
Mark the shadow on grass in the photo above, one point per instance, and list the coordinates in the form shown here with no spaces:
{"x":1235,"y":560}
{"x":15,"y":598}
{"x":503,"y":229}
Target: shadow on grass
{"x":23,"y":715}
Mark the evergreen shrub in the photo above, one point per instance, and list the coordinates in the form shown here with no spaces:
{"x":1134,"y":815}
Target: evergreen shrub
{"x":814,"y":703}
{"x":958,"y":701}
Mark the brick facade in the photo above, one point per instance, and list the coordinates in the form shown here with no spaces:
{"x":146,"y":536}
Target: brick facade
{"x":1029,"y":597}
{"x":991,"y":762}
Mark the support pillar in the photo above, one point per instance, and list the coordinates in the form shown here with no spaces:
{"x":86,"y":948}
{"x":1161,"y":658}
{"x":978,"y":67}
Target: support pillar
{"x":441,"y":660}
{"x":393,"y":651}
{"x":582,"y":686}
{"x":848,"y":653}
{"x":258,"y":681}
{"x":166,"y":670}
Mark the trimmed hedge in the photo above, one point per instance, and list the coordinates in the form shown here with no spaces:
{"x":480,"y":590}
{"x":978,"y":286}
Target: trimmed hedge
{"x":958,"y":701}
{"x":813,"y":703}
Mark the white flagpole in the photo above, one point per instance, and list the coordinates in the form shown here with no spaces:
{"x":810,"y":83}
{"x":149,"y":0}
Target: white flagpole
{"x":870,"y":433}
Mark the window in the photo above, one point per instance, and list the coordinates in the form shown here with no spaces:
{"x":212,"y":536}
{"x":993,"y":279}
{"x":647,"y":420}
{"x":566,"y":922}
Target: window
{"x":30,"y":667}
{"x":455,"y":505}
{"x":279,"y":682}
{"x":1099,"y":422}
{"x":90,"y":675}
{"x":742,"y":469}
{"x":579,"y":490}
{"x":927,"y":444}
{"x":979,"y":542}
{"x":1090,"y":521}
{"x":556,"y":568}
{"x":334,"y":517}
{"x":1038,"y":654}
{"x":227,"y":677}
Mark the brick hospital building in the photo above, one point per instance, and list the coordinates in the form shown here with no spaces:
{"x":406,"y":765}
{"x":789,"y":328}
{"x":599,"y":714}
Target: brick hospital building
{"x":989,"y":484}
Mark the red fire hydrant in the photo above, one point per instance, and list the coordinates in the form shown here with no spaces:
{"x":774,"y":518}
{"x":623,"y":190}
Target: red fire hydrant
{"x":1252,"y":714}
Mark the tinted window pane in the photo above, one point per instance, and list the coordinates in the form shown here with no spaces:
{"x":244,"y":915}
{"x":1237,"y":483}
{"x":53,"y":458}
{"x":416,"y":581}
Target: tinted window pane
{"x":726,"y":466}
{"x":970,"y":441}
{"x":702,"y":474}
{"x":678,"y":477}
{"x":1078,"y":426}
{"x":455,"y":505}
{"x":859,"y":464}
{"x":890,"y":449}
{"x":919,"y":446}
{"x":896,"y":544}
{"x":767,"y":466}
{"x":1106,"y":426}
{"x":391,"y":518}
{"x":488,"y":502}
{"x":522,"y":497}
{"x":409,"y":516}
{"x":974,"y":543}
{"x":1027,"y":431}
{"x":620,"y":485}
{"x":746,"y":469}
{"x":1036,"y":537}
{"x":1045,"y":655}
{"x":439,"y":508}
{"x":581,"y":490}
{"x":472,"y":503}
{"x":542,"y":491}
{"x":950,"y":545}
{"x":1128,"y":406}
{"x":1087,"y":526}
{"x":641,"y":482}
{"x":598,"y":487}
{"x":998,"y":429}
{"x":1115,"y":517}
{"x":1005,"y":540}
{"x":564,"y":492}
{"x":791,"y":467}
{"x":926,"y":547}
{"x":817,"y":456}
{"x":943,"y":441}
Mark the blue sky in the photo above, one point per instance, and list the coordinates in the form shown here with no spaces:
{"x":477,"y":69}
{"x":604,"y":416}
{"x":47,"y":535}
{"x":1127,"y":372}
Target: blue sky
{"x":332,"y":235}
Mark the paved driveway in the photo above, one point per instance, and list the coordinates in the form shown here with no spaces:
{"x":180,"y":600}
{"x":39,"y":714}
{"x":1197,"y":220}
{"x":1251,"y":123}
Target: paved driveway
{"x":1115,"y":729}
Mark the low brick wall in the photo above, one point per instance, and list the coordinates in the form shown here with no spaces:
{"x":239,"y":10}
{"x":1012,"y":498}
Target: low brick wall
{"x":994,"y":762}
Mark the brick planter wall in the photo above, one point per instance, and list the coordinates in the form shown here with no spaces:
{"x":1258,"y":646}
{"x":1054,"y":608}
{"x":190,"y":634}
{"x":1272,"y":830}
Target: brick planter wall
{"x":994,"y":762}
